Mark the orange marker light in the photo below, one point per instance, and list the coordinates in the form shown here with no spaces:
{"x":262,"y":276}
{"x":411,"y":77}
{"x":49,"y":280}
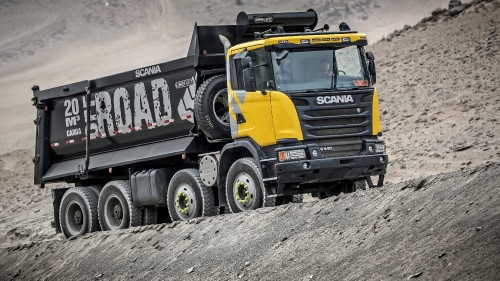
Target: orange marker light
{"x":282,"y":156}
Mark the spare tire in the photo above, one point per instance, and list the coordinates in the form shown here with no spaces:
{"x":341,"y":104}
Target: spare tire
{"x":212,"y":108}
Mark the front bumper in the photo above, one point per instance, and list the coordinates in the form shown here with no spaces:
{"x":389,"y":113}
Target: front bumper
{"x":331,"y":169}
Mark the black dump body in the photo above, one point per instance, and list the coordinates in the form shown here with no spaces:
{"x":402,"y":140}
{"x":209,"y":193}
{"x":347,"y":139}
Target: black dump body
{"x":141,"y":116}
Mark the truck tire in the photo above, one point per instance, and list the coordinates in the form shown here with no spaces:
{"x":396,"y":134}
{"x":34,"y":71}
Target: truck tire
{"x":116,"y":210}
{"x":211,"y":108}
{"x":78,"y":212}
{"x":188,"y":197}
{"x":96,"y":189}
{"x":150,"y":216}
{"x":245,"y":189}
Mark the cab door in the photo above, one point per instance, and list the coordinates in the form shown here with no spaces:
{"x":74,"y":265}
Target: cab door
{"x":250,"y":111}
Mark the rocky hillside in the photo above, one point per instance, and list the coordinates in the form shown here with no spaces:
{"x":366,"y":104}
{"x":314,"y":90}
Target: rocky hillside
{"x":438,"y":93}
{"x":443,"y":227}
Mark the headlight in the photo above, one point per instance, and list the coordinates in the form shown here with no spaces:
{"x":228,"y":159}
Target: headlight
{"x":379,"y":148}
{"x":289,"y":155}
{"x":315,"y":153}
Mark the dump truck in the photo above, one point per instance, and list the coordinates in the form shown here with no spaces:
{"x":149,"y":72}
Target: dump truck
{"x":257,"y":114}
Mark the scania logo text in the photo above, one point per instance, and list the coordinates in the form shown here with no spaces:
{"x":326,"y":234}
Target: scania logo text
{"x":334,"y":99}
{"x":147,"y":71}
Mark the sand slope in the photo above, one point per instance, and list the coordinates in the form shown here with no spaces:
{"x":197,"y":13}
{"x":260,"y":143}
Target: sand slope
{"x":439,"y":99}
{"x":441,"y":227}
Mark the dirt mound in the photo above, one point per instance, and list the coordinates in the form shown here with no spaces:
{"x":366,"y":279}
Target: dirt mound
{"x":438,"y":97}
{"x":439,"y":227}
{"x":25,"y":211}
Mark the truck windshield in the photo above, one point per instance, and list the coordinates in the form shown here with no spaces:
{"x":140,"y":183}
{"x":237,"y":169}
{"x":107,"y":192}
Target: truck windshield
{"x":311,"y":70}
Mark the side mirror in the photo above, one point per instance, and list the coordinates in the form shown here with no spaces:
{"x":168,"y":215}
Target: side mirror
{"x":370,"y":56}
{"x":373,"y":72}
{"x":246,"y":62}
{"x":249,"y":79}
{"x":248,"y":74}
{"x":371,"y":67}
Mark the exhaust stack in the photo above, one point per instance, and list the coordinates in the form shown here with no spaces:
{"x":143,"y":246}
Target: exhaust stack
{"x":225,"y":42}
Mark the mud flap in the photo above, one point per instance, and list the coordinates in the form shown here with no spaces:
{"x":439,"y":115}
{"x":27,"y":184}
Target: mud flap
{"x":57,"y":195}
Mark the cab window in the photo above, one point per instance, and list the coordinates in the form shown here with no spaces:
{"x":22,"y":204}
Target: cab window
{"x":261,"y":70}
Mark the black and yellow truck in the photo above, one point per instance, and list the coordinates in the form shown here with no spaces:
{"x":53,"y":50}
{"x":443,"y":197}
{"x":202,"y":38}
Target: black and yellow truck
{"x":257,"y":114}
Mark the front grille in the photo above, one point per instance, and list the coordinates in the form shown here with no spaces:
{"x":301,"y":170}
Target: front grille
{"x":338,"y":131}
{"x":331,"y":112}
{"x":340,"y":121}
{"x":339,"y":146}
{"x":335,"y":120}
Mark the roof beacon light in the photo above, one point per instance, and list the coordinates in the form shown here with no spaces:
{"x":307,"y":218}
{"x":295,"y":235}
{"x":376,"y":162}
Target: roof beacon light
{"x":343,"y":26}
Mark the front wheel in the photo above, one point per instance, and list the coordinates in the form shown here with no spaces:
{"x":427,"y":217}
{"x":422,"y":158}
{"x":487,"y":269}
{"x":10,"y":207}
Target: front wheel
{"x":245,"y":189}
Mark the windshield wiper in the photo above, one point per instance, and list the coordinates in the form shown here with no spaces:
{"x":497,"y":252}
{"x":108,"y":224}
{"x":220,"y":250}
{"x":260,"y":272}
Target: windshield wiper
{"x":316,"y":91}
{"x":333,"y":84}
{"x":347,"y":88}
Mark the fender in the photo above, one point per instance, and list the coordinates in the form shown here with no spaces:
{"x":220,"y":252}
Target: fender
{"x":244,"y":147}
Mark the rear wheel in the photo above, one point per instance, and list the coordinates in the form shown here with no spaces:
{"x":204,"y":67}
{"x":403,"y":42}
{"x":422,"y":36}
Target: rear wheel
{"x":244,"y":187}
{"x":116,"y":210}
{"x":211,"y":107}
{"x":188,"y":197}
{"x":96,"y":189}
{"x":78,"y":212}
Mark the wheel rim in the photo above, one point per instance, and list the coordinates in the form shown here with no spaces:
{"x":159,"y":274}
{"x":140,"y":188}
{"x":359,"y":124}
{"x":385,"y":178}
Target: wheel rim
{"x":245,"y":192}
{"x":185,"y":201}
{"x":220,"y":107}
{"x":75,"y":218}
{"x":113,"y":212}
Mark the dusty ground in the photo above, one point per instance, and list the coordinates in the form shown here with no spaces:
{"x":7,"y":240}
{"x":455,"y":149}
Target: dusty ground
{"x":25,"y":211}
{"x":442,"y":227}
{"x":439,"y":96}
